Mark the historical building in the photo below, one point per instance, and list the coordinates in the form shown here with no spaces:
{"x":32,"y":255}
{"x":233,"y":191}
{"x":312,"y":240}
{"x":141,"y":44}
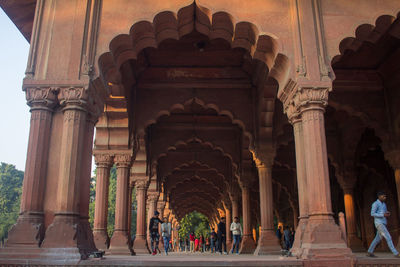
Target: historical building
{"x":270,"y":110}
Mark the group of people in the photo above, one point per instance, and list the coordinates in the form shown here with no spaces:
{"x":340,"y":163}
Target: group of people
{"x":217,"y":240}
{"x":166,"y":229}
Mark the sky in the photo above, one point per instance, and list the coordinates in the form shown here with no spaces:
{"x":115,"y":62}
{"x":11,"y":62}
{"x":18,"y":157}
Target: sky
{"x":14,"y":113}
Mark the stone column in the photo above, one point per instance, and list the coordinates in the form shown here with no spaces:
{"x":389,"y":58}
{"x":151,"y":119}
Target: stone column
{"x":87,"y":235}
{"x":348,"y":189}
{"x":295,"y":120}
{"x":152,"y":203}
{"x":130,"y":190}
{"x":235,"y":207}
{"x":228,"y":221}
{"x":119,"y":243}
{"x":393,"y":156}
{"x":248,"y":245}
{"x":268,"y":242}
{"x":29,"y":229}
{"x":322,"y":237}
{"x":66,"y":221}
{"x":140,"y":243}
{"x":103,"y":163}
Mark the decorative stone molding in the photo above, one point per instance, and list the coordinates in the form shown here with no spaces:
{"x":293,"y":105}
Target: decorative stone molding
{"x":41,"y":97}
{"x":103,"y":160}
{"x":152,"y":197}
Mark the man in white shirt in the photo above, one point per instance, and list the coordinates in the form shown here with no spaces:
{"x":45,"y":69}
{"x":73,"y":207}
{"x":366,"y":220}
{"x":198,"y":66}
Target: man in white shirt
{"x":237,"y":232}
{"x":166,"y":234}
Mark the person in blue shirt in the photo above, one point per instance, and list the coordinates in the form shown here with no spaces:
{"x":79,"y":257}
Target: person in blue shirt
{"x":380,"y":213}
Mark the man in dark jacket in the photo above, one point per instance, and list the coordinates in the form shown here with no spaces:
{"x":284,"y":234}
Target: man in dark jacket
{"x":221,"y":233}
{"x":154,"y":235}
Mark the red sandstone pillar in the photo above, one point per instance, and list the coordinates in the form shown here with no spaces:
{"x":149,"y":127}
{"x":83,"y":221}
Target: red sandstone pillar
{"x":393,"y":156}
{"x":295,"y":120}
{"x":66,"y":222}
{"x":268,"y":242}
{"x":348,"y":183}
{"x":235,"y":208}
{"x":322,"y":237}
{"x":29,"y":229}
{"x":152,"y":202}
{"x":228,"y":221}
{"x":248,"y":245}
{"x":87,"y":234}
{"x":119,"y":243}
{"x":140,"y":244}
{"x":103,"y":162}
{"x":130,"y":190}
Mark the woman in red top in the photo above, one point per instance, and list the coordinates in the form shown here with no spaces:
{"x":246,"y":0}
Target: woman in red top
{"x":191,"y":237}
{"x":196,"y":244}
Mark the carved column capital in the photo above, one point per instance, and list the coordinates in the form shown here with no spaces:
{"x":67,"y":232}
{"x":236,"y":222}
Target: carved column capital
{"x":297,"y":98}
{"x":73,"y":97}
{"x":141,"y":184}
{"x":123,"y":160}
{"x":41,"y":97}
{"x":152,"y":196}
{"x":264,"y":159}
{"x":103,"y":160}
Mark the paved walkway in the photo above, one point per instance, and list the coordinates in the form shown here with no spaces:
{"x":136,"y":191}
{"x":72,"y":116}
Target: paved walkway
{"x":206,"y":259}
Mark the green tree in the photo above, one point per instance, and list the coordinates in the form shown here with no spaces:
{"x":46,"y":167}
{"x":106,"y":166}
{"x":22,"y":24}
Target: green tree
{"x":194,"y":222}
{"x":10,"y":196}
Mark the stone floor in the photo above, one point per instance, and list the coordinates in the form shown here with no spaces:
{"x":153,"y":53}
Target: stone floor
{"x":207,"y":259}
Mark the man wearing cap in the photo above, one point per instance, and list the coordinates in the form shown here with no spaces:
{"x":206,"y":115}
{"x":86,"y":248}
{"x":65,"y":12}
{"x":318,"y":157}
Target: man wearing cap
{"x":154,"y":235}
{"x":380,"y":213}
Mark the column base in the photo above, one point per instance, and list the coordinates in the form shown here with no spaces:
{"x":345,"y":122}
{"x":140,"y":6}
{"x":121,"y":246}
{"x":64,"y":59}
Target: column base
{"x":297,"y":249}
{"x":28,"y":231}
{"x":101,"y":239}
{"x":247,"y":246}
{"x":140,"y":245}
{"x":355,"y":244}
{"x":268,"y":244}
{"x":120,"y":244}
{"x":67,"y":233}
{"x":322,"y":239}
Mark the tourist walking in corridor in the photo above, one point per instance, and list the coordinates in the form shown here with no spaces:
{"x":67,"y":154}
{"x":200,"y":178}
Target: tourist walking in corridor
{"x":380,"y":213}
{"x":154,"y":235}
{"x":221,"y":234}
{"x":166,"y":234}
{"x":237,"y":233}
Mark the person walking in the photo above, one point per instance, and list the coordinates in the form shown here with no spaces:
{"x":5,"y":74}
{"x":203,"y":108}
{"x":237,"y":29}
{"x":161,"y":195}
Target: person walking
{"x":237,"y":233}
{"x":213,"y":240}
{"x":166,"y":234}
{"x":154,"y":235}
{"x":191,"y":238}
{"x":221,"y":234}
{"x":380,"y":213}
{"x":286,"y":237}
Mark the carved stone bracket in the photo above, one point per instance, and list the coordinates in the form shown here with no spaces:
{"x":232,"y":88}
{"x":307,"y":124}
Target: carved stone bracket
{"x":393,"y":157}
